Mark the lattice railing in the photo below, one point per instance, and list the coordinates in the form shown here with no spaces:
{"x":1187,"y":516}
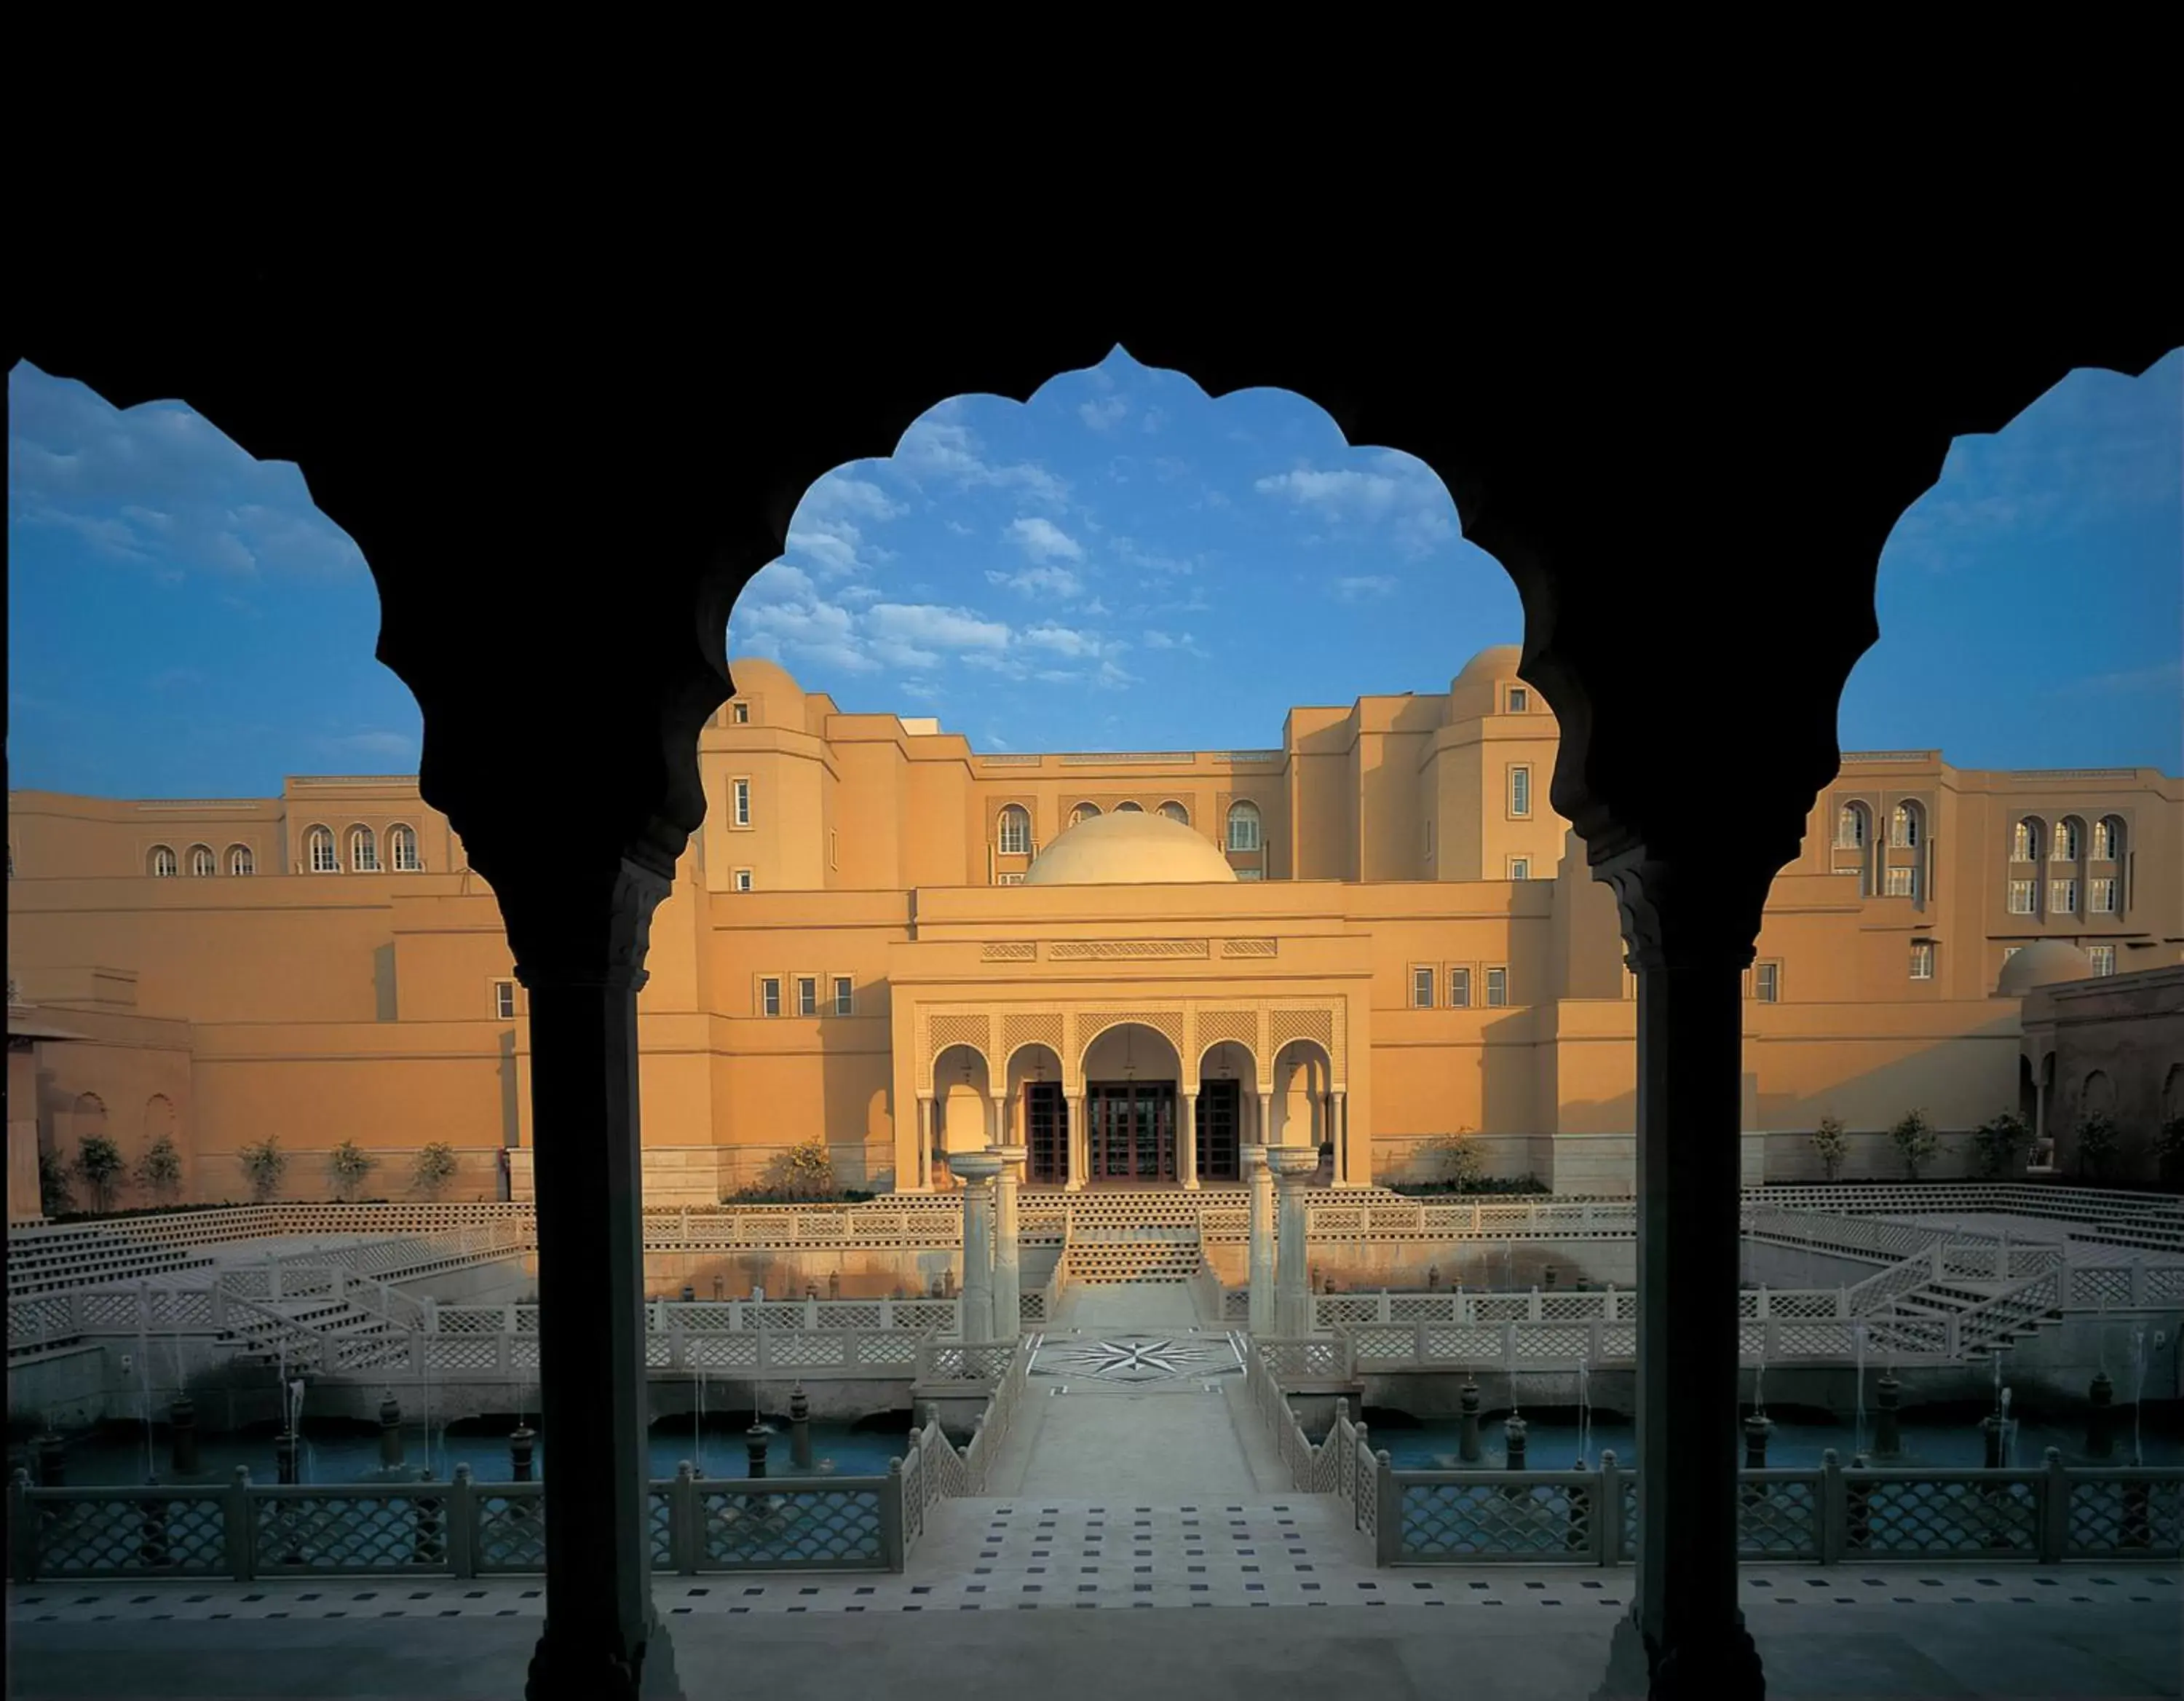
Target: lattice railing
{"x":461,"y":1528}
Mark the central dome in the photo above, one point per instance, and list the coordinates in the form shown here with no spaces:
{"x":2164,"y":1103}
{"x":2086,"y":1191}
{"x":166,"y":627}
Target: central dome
{"x":1128,"y":848}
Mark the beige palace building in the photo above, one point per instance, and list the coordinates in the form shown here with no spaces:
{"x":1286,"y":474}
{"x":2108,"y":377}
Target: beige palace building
{"x":1376,"y":934}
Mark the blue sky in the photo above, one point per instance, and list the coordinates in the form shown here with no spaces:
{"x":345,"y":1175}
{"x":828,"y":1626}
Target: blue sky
{"x":1121,"y":563}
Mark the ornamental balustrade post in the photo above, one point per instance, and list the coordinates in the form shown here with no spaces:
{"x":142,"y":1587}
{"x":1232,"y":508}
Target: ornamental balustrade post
{"x":2054,"y":1509}
{"x":893,"y":1549}
{"x":1387,"y":1519}
{"x":685,"y":1515}
{"x":1532,"y":1313}
{"x":238,"y":1535}
{"x":1419,"y":1341}
{"x":1261,"y":1180}
{"x":22,"y":1529}
{"x":1608,"y":1512}
{"x":887,"y":1314}
{"x":462,"y":1512}
{"x":1008,"y":1301}
{"x":2138,"y":1281}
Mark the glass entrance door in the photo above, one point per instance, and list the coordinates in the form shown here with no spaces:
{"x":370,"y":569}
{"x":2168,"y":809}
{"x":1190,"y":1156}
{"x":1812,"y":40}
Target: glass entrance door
{"x":1132,"y":1132}
{"x":1219,"y":1106}
{"x":1046,"y":1131}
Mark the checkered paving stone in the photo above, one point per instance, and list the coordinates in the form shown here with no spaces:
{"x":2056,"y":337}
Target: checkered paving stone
{"x":1023,"y":1555}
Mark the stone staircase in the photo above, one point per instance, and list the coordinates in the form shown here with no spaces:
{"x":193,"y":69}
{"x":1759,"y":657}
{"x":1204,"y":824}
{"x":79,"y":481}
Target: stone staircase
{"x":319,"y":1331}
{"x":1110,"y":1257}
{"x":54,"y":1261}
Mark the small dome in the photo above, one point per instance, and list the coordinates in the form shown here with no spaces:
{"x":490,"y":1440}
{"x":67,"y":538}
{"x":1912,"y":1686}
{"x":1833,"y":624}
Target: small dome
{"x":2050,"y":961}
{"x":755,"y":675}
{"x":1128,"y":848}
{"x":1498,"y":661}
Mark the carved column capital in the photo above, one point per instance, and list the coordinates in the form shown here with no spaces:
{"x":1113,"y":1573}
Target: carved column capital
{"x":588,"y":925}
{"x":1688,"y":911}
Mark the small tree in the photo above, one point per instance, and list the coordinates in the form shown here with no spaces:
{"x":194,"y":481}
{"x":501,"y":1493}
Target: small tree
{"x":350,"y":1163}
{"x":1915,"y":1143}
{"x":805,"y":1170}
{"x":436,"y":1168}
{"x":99,"y":1162}
{"x":1832,"y":1148}
{"x":2169,"y":1149}
{"x":1456,"y":1162}
{"x":264,"y":1164}
{"x":54,"y":1196}
{"x":2097,"y":1144}
{"x":1997,"y":1140}
{"x":159,"y":1170}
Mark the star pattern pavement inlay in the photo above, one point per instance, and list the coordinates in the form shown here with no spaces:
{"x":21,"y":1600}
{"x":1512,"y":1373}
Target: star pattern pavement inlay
{"x":1139,"y":1358}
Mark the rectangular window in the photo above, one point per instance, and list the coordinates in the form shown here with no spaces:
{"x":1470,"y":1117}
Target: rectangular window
{"x":1520,"y":792}
{"x":2103,"y":894}
{"x":1520,"y":868}
{"x":739,"y":713}
{"x":1767,"y":981}
{"x":844,"y":996}
{"x":1421,"y":981}
{"x":739,"y":795}
{"x":743,"y":880}
{"x":1922,"y":959}
{"x":2103,"y":956}
{"x":1902,"y":882}
{"x":1520,"y":700}
{"x":769,"y":996}
{"x":1250,"y":874}
{"x":1459,"y":989}
{"x":2020,"y":897}
{"x":1498,"y":988}
{"x":1008,"y":879}
{"x":2062,"y":897}
{"x":807,"y":996}
{"x":503,"y":1000}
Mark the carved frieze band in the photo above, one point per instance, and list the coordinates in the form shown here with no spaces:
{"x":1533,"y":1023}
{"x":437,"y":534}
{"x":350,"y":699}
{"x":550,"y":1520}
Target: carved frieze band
{"x":1008,"y":951}
{"x":1110,"y":950}
{"x":1248,"y":947}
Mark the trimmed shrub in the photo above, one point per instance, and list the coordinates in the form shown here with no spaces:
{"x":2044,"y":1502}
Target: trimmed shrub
{"x":99,"y":1162}
{"x":2169,"y":1149}
{"x":1997,"y":1141}
{"x":2096,"y":1145}
{"x":159,"y":1170}
{"x":349,"y":1164}
{"x":1915,"y":1143}
{"x":434,"y":1168}
{"x":804,"y":1171}
{"x":1830,"y":1146}
{"x":1455,"y":1162}
{"x":263,"y":1163}
{"x":55,"y":1198}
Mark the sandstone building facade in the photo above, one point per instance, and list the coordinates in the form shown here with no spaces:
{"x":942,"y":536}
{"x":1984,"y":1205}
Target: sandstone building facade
{"x":1374,"y":935}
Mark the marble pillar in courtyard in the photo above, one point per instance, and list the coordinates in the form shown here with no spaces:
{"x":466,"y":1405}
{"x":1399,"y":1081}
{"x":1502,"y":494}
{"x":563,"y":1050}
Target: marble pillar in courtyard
{"x":1261,"y":1180}
{"x":1008,"y":1285}
{"x":1293,"y":1167}
{"x":976,"y":1171}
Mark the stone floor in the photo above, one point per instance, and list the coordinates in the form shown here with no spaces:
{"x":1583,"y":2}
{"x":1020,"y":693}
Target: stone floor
{"x":1140,"y":1539}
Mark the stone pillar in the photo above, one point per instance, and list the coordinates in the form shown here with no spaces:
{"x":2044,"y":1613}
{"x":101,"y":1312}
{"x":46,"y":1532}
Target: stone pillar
{"x":1266,"y":1129}
{"x":976,"y":1169}
{"x":1346,"y":1167}
{"x":1008,"y":1286}
{"x":1293,"y":1166}
{"x":1691,"y":926}
{"x":1261,"y":1180}
{"x":579,"y":930}
{"x":1186,"y":1141}
{"x":924,"y":1143}
{"x":1080,"y":1141}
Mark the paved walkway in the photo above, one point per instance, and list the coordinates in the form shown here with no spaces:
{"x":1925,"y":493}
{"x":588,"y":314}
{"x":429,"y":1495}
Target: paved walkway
{"x":1138,"y":1529}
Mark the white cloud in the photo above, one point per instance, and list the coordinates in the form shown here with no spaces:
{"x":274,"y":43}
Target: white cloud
{"x":1181,"y":641}
{"x":1044,"y":541}
{"x":1102,"y":415}
{"x":1397,"y":488}
{"x":1094,"y":610}
{"x":944,"y":628}
{"x":1131,"y":554}
{"x":1050,"y":582}
{"x":834,"y":547}
{"x":942,"y":448}
{"x":1062,"y":639}
{"x":839,"y":492}
{"x":1362,"y":585}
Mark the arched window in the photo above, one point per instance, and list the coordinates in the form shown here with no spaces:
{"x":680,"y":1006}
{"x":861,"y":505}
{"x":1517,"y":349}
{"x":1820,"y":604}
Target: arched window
{"x":1129,"y":809}
{"x":203,"y":863}
{"x":1083,"y":811}
{"x":2025,"y":842}
{"x":1243,"y":827}
{"x":165,"y":864}
{"x":1176,"y":813}
{"x":363,"y":850}
{"x":2107,"y":839}
{"x":402,"y":849}
{"x":1016,"y":831}
{"x":2070,"y":836}
{"x":1904,"y":827}
{"x":322,"y":857}
{"x":240,"y":861}
{"x":1851,"y":827}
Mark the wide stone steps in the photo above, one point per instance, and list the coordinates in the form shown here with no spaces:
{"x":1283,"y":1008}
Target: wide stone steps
{"x":1145,"y":1257}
